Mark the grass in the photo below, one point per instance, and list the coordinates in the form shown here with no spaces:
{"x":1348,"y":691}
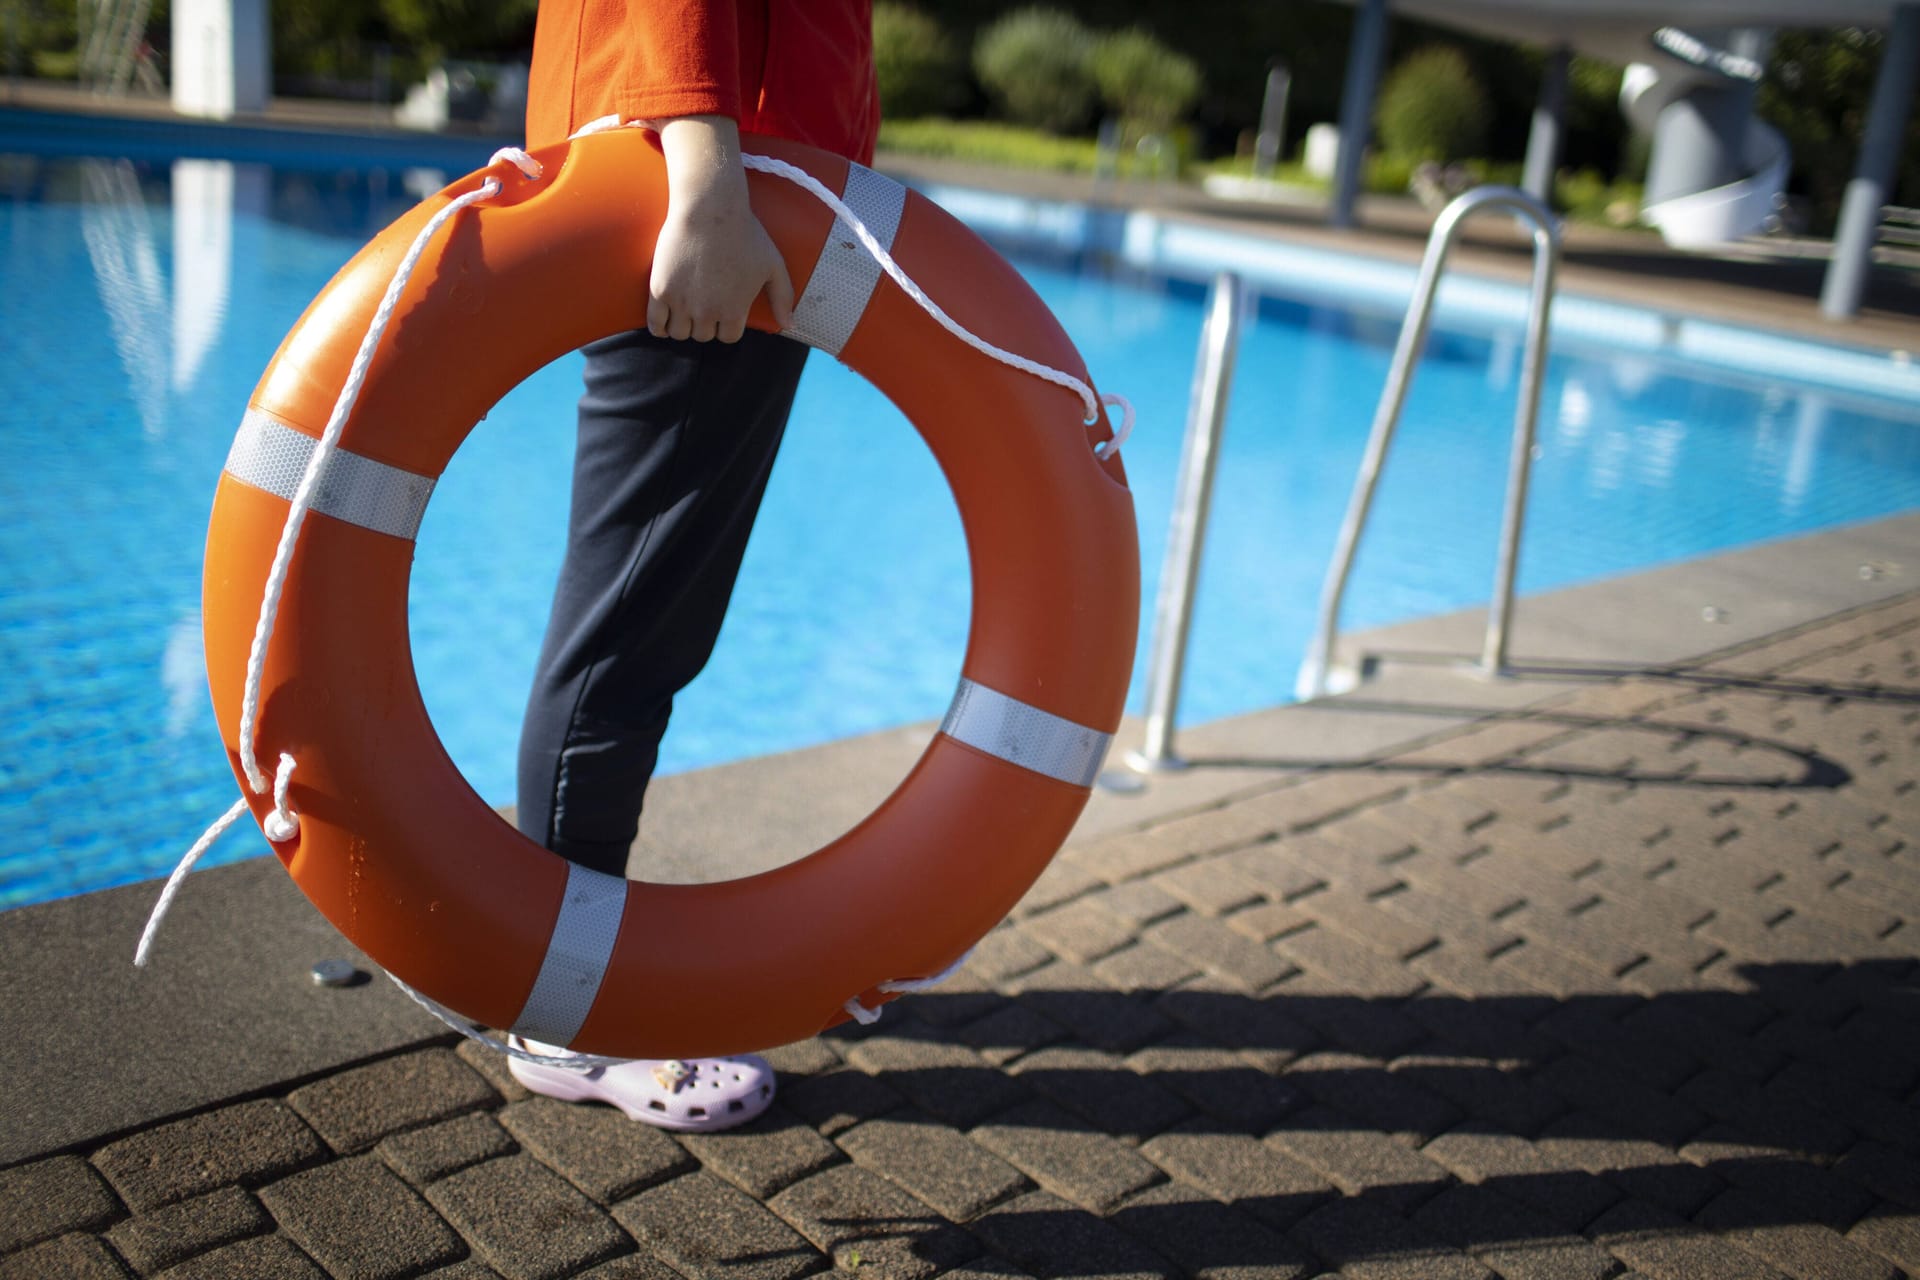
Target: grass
{"x":1011,"y":145}
{"x":989,"y":142}
{"x":56,"y":64}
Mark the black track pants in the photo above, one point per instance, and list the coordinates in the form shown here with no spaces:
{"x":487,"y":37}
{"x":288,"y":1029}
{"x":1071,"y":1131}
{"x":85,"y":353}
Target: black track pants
{"x":676,"y":440}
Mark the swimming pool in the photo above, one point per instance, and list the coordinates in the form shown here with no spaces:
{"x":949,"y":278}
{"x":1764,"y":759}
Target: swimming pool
{"x":140,"y":300}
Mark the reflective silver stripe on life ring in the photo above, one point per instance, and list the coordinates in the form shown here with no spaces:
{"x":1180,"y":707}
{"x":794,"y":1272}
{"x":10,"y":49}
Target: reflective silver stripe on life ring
{"x":268,"y":454}
{"x":1022,"y":734}
{"x":577,"y":956}
{"x":843,"y":279}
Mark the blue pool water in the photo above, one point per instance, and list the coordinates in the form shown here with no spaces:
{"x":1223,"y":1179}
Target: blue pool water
{"x":139,"y":302}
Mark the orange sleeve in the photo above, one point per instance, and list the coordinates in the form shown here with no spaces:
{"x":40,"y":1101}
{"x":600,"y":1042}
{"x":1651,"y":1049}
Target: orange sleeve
{"x":681,"y":58}
{"x":642,"y":59}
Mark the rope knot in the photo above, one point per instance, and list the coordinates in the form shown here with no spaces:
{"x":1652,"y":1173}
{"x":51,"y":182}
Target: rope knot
{"x":283,"y":823}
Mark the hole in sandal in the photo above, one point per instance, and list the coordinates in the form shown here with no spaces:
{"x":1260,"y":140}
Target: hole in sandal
{"x":657,"y":1105}
{"x":697,"y":1113}
{"x":736,"y":1105}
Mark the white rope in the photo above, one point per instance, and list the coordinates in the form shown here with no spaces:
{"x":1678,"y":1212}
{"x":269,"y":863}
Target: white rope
{"x":283,"y":823}
{"x":905,"y":986}
{"x":568,"y":1061}
{"x":1093,"y":403}
{"x":323,"y":452}
{"x":160,"y":908}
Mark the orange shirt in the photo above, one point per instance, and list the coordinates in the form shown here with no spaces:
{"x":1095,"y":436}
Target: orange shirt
{"x":798,"y":69}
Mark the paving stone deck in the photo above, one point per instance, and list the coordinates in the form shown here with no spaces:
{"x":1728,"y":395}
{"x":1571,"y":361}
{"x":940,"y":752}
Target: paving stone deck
{"x":1623,"y":984}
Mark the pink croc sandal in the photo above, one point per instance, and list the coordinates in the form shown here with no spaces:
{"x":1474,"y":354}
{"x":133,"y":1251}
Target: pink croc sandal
{"x":696,"y":1094}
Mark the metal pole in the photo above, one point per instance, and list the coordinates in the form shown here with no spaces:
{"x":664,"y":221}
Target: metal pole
{"x":1846,"y":282}
{"x":1493,"y":654}
{"x":1193,"y":496}
{"x":1312,"y":681}
{"x":1364,"y":56}
{"x":1267,"y":148}
{"x":1106,"y":150}
{"x":1549,"y":126}
{"x":1386,"y":417}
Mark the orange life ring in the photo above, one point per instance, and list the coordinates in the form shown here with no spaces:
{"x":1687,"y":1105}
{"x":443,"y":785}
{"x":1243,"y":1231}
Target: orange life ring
{"x":399,"y":852}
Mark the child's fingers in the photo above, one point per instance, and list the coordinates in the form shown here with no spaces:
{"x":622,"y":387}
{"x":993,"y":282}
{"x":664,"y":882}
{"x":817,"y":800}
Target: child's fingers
{"x":780,"y":294}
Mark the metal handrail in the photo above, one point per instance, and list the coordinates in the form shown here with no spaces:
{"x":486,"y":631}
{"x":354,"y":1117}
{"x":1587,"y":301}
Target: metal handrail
{"x":1312,"y":681}
{"x":1193,"y":496}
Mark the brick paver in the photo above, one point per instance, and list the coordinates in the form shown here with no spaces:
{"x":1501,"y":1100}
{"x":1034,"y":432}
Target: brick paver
{"x":76,"y":1257}
{"x":526,"y":1221}
{"x":155,"y":1241}
{"x":1047,"y":1144}
{"x":1203,"y":1237}
{"x":357,"y":1219}
{"x":247,"y":1144}
{"x":1098,"y":1087}
{"x":355,"y":1109}
{"x":274,"y":1256}
{"x":595,"y":1148}
{"x":429,"y":1154}
{"x":50,"y":1198}
{"x":706,"y":1229}
{"x":861,"y":1220}
{"x":1049,"y":1238}
{"x":938,"y":1165}
{"x":1619,"y":986}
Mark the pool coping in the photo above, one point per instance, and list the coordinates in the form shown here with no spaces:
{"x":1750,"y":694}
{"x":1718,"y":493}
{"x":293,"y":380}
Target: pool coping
{"x":91,"y":1048}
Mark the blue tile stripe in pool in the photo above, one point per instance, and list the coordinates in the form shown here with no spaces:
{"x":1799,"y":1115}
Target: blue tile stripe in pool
{"x":141,"y":299}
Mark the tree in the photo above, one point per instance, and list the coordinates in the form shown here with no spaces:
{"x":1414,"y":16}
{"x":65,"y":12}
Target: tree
{"x":440,"y":27}
{"x":1034,"y":63}
{"x":918,"y":66}
{"x":326,"y":38}
{"x":1147,"y":84}
{"x":1432,"y":108}
{"x":1817,"y":90}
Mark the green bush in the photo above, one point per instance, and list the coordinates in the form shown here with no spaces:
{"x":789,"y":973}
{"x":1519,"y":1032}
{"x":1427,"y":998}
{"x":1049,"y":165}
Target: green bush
{"x":1142,"y":81}
{"x":1432,"y":108}
{"x":1035,"y":64}
{"x":919,"y":68}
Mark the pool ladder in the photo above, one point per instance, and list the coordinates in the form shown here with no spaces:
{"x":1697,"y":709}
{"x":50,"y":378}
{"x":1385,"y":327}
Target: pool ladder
{"x":1213,"y":377}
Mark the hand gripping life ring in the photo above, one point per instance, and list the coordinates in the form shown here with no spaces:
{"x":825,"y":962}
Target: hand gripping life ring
{"x":399,"y":852}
